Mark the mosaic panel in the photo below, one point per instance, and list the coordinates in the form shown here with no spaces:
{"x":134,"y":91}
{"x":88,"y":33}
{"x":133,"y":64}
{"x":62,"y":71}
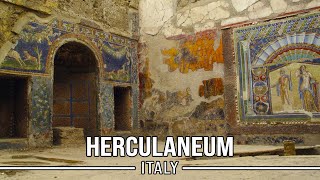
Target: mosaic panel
{"x":106,"y":105}
{"x":41,"y":92}
{"x":277,"y":64}
{"x":31,"y":50}
{"x":135,"y":107}
{"x":31,"y":53}
{"x":135,"y":24}
{"x":135,"y":62}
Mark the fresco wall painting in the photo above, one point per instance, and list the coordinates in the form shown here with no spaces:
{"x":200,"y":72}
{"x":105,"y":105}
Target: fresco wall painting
{"x":194,"y":53}
{"x":211,"y":87}
{"x":199,"y":51}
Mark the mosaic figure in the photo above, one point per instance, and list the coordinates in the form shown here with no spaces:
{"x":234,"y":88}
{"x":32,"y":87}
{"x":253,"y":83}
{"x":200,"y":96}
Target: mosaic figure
{"x":284,"y":85}
{"x":306,"y":89}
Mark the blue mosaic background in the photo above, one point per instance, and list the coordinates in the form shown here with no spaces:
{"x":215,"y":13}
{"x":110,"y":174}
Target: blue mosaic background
{"x":41,"y":92}
{"x":32,"y":49}
{"x":107,"y":105}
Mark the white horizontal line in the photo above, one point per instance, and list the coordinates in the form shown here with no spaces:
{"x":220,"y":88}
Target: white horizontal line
{"x":68,"y":168}
{"x":251,"y":168}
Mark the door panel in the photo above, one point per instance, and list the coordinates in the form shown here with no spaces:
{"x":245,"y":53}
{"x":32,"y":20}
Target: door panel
{"x":74,"y":102}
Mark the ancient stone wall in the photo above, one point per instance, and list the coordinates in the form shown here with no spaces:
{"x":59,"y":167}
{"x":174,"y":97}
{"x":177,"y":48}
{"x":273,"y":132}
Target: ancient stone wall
{"x":192,"y":55}
{"x":114,"y":16}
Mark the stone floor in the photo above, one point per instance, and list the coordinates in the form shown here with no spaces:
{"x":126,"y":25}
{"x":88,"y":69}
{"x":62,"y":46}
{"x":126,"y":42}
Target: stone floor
{"x":75,"y":156}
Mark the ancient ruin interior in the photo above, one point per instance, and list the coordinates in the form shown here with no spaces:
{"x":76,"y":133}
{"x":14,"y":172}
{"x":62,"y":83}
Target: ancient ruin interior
{"x":163,"y":68}
{"x":75,"y":88}
{"x":122,"y":108}
{"x":13,"y":107}
{"x":245,"y":69}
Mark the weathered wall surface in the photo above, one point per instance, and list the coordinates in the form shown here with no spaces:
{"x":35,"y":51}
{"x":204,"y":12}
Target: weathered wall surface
{"x":113,"y":16}
{"x":175,"y":17}
{"x":188,"y":69}
{"x":182,"y":78}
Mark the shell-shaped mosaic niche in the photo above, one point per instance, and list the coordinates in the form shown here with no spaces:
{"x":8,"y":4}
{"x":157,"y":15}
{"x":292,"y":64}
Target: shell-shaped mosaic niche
{"x":289,"y":48}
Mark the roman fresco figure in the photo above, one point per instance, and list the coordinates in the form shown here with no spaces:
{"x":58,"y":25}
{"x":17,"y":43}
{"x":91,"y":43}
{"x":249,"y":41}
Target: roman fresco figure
{"x":284,"y":85}
{"x":306,"y":90}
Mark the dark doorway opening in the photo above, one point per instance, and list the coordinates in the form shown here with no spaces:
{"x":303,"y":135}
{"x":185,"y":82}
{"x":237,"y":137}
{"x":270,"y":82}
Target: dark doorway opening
{"x":122,"y":108}
{"x":75,"y":88}
{"x":13,"y":107}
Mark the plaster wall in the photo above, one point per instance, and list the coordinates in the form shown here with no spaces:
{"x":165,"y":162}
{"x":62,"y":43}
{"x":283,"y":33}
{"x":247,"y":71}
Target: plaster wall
{"x":171,"y":33}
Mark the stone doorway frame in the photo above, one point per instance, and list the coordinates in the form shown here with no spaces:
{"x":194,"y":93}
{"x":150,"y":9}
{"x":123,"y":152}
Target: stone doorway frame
{"x":70,"y":38}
